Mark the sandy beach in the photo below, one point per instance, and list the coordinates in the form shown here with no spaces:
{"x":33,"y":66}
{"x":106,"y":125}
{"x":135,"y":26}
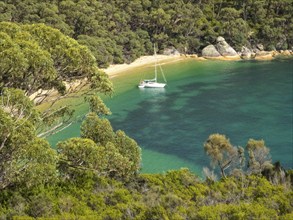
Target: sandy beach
{"x":115,"y":69}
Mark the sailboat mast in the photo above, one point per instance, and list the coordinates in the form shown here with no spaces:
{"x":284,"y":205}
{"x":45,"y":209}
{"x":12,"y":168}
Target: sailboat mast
{"x":155,"y":63}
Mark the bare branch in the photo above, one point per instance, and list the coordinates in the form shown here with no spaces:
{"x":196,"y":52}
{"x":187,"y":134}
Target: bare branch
{"x":52,"y":129}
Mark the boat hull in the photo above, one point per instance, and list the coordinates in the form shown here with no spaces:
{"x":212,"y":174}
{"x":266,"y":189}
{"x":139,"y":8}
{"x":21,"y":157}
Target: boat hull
{"x":152,"y":85}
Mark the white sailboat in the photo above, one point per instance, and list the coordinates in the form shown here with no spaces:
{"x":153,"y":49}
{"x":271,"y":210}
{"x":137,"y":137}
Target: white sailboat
{"x":152,"y":83}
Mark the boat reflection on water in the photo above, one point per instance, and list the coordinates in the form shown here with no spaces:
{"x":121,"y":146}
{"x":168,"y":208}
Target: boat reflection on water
{"x":152,"y":92}
{"x":154,"y":97}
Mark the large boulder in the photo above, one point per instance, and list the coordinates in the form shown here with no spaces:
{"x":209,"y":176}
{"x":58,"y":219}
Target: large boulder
{"x":210,"y":51}
{"x":224,"y":48}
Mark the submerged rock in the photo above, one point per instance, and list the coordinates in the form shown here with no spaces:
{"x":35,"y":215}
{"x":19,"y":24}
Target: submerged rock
{"x":210,"y":51}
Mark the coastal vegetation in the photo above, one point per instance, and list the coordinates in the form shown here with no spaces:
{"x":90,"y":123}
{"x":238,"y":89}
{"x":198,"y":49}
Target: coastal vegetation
{"x":49,"y":45}
{"x":40,"y":60}
{"x":96,"y":176}
{"x":118,"y":31}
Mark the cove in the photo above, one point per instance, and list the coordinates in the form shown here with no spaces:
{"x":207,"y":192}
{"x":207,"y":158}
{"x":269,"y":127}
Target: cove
{"x":241,"y":99}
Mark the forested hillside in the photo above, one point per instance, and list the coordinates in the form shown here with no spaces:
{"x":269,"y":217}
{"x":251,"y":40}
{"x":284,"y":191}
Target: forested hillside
{"x":97,"y":175}
{"x":118,"y":31}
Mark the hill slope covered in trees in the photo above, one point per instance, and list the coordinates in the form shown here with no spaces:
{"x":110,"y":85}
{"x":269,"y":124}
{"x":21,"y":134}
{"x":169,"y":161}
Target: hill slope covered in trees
{"x":118,"y":31}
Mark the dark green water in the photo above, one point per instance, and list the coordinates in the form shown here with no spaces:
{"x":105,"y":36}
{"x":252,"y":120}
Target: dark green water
{"x":242,"y":100}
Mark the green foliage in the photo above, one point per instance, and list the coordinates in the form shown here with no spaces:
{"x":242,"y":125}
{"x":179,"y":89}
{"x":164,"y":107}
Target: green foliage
{"x":104,"y":49}
{"x":96,"y":105}
{"x":19,"y":106}
{"x":122,"y":154}
{"x":120,"y":31}
{"x":97,"y":129}
{"x":128,"y":148}
{"x":37,"y":57}
{"x":79,"y":156}
{"x":242,"y":211}
{"x":97,"y":176}
{"x":222,"y":153}
{"x":259,"y":157}
{"x":178,"y":194}
{"x":25,"y":159}
{"x":38,"y":60}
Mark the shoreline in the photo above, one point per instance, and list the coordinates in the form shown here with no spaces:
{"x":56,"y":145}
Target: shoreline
{"x":114,"y":69}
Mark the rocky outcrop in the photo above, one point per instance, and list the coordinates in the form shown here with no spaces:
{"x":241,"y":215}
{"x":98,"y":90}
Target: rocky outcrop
{"x":246,"y":53}
{"x":286,"y":52}
{"x":171,"y":51}
{"x":224,"y":48}
{"x":223,"y":51}
{"x":260,"y":47}
{"x":210,"y":51}
{"x":263,"y":55}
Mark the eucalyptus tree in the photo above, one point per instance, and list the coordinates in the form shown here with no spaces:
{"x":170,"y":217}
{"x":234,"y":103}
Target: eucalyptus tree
{"x":188,"y":25}
{"x":80,"y":157}
{"x":15,"y":107}
{"x":45,"y":59}
{"x":117,"y":145}
{"x":41,"y":60}
{"x":25,"y":159}
{"x":128,"y":148}
{"x":259,"y":156}
{"x":6,"y":11}
{"x":24,"y":64}
{"x":105,"y":50}
{"x":223,"y":154}
{"x":234,"y":28}
{"x":97,"y":129}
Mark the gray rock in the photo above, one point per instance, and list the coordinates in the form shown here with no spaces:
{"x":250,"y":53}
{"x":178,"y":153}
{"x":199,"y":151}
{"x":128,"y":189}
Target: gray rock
{"x":255,"y":50}
{"x":282,"y":43}
{"x":220,"y":39}
{"x":260,"y":47}
{"x":263,"y":55}
{"x":245,"y":53}
{"x":210,"y":51}
{"x":171,"y":51}
{"x":224,"y":48}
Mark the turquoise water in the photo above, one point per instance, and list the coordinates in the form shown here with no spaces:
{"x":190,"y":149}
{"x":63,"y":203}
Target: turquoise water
{"x":243,"y":99}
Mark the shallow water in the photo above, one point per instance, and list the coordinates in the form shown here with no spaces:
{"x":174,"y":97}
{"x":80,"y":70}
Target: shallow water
{"x":243,"y":99}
